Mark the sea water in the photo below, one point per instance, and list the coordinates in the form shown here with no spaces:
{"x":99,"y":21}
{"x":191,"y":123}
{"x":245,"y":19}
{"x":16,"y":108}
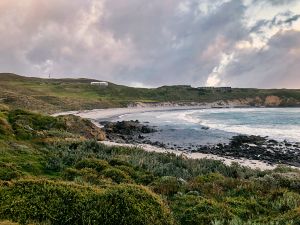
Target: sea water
{"x":210,"y":126}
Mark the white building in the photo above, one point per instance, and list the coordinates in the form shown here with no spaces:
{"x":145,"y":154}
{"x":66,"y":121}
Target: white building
{"x":100,"y":83}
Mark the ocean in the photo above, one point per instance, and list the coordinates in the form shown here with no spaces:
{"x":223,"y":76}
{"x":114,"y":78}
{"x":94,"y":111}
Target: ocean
{"x":212,"y":126}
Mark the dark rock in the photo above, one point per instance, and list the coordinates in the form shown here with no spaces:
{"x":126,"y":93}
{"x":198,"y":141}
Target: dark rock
{"x":126,"y":131}
{"x":239,"y":140}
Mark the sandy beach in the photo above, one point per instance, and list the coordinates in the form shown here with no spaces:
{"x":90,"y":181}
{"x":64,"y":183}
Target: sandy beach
{"x":104,"y":114}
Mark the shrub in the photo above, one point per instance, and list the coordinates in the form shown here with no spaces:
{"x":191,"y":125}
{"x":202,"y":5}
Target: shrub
{"x":166,"y":185}
{"x":133,"y":173}
{"x":71,"y":173}
{"x":5,"y":128}
{"x":8,"y":171}
{"x":4,"y":107}
{"x":42,"y":201}
{"x":245,"y":208}
{"x":27,"y":125}
{"x":205,"y":212}
{"x":96,"y":164}
{"x":53,"y":164}
{"x":116,"y":175}
{"x":145,"y":178}
{"x":286,"y":201}
{"x":89,"y":175}
{"x":292,"y":217}
{"x":118,"y":162}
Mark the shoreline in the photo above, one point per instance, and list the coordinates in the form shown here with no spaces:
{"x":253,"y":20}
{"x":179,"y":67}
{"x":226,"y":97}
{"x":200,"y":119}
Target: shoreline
{"x":106,"y":114}
{"x":98,"y":115}
{"x":253,"y":164}
{"x":139,"y":107}
{"x":110,"y":113}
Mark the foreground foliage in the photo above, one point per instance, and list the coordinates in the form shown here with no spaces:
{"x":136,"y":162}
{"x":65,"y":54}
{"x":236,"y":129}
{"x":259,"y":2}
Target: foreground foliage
{"x":50,"y":174}
{"x":65,"y":203}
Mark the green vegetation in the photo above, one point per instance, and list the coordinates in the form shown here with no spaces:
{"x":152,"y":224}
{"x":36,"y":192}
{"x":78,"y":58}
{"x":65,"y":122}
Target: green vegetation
{"x":66,"y":203}
{"x":56,"y":95}
{"x":52,"y":174}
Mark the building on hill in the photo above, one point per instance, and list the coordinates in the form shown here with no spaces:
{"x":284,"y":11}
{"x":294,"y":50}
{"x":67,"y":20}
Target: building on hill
{"x":100,"y":83}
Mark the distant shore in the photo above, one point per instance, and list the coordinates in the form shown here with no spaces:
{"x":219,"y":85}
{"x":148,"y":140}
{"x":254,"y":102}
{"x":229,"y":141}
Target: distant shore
{"x":105,"y":114}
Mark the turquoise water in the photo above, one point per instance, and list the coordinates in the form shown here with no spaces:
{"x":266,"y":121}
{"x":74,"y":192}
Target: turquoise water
{"x":276,"y":123}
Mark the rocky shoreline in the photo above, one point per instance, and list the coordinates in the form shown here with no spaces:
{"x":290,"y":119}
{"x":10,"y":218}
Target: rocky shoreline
{"x":240,"y":146}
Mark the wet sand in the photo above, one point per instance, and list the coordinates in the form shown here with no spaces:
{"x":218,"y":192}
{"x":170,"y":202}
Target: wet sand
{"x":106,"y":114}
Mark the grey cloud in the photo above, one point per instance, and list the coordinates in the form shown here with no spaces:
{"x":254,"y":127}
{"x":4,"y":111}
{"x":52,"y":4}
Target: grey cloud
{"x":276,"y":2}
{"x":276,"y":66}
{"x":132,"y":41}
{"x":292,"y":19}
{"x":282,"y":2}
{"x":281,"y":19}
{"x":192,"y":33}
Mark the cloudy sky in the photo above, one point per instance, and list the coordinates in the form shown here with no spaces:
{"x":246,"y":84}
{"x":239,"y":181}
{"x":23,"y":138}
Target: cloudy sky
{"x":250,"y":43}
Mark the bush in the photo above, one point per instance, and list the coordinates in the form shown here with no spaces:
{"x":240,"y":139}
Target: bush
{"x":166,"y":186}
{"x":245,"y":208}
{"x":118,"y":162}
{"x":96,"y":164}
{"x":89,"y":175}
{"x":41,"y":201}
{"x":286,"y":201}
{"x":9,"y":171}
{"x":5,"y":128}
{"x":116,"y":175}
{"x":53,"y":164}
{"x":292,"y":217}
{"x":27,"y":125}
{"x":71,"y":173}
{"x":205,"y":212}
{"x":3,"y":108}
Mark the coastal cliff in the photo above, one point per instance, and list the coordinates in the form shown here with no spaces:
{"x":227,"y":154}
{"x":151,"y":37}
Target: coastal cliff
{"x":268,"y":101}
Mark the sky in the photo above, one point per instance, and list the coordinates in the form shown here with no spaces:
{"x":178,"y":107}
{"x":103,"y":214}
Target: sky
{"x":238,"y":43}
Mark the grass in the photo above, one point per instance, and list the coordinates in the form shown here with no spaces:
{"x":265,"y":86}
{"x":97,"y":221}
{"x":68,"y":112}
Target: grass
{"x":54,"y":95}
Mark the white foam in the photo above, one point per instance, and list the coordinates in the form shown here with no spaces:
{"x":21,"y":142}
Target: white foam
{"x":287,"y":131}
{"x":188,"y":117}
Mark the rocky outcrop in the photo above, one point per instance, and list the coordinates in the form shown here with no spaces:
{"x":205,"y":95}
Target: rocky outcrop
{"x":83,"y":127}
{"x":126,"y":131}
{"x":272,"y":101}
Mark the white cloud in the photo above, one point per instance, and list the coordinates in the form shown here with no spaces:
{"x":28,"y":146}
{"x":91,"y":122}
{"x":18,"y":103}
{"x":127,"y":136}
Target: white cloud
{"x":184,"y":7}
{"x":215,"y":77}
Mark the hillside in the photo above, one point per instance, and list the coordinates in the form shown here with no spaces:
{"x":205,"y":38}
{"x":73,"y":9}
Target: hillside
{"x":56,"y":95}
{"x":53,"y":173}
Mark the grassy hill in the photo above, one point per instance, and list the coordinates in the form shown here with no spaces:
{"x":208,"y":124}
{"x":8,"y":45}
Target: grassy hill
{"x":51,"y":173}
{"x":55,"y":95}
